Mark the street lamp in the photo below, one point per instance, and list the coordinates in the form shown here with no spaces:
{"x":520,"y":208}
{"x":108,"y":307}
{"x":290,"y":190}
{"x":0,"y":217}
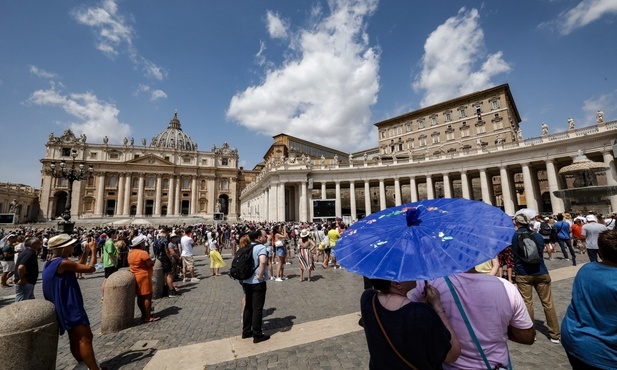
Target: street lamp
{"x":70,"y":174}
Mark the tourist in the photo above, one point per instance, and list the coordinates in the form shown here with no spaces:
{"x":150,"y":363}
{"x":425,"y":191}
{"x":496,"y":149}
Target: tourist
{"x":255,"y":290}
{"x":110,"y":259}
{"x":60,"y":287}
{"x":188,"y":263}
{"x":562,"y":229}
{"x":7,"y":261}
{"x":534,"y":276}
{"x":280,"y":237}
{"x":216,"y":261}
{"x":305,"y":257}
{"x":141,"y":265}
{"x":590,"y":231}
{"x":27,"y":269}
{"x":402,"y":334}
{"x":588,"y":328}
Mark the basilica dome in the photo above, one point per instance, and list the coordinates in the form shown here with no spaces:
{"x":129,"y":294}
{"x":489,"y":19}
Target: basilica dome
{"x":173,"y":137}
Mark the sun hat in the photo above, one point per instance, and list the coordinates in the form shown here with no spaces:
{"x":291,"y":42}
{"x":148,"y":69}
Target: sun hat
{"x":591,"y":218}
{"x":304,"y":233}
{"x":60,"y":241}
{"x":173,"y":233}
{"x":138,"y":240}
{"x":522,"y":219}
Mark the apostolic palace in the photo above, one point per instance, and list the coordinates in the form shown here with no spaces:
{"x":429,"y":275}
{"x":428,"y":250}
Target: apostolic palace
{"x":470,"y":147}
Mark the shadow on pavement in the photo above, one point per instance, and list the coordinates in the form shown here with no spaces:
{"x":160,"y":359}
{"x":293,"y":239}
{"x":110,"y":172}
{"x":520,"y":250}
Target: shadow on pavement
{"x":169,"y":311}
{"x":128,"y":357}
{"x":279,"y":324}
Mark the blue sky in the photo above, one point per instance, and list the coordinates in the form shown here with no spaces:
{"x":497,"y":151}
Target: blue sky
{"x":241,"y":71}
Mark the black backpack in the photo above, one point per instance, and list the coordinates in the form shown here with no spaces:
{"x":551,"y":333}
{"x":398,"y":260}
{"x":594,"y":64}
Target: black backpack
{"x":159,"y":245}
{"x":528,"y":249}
{"x":243,"y":264}
{"x":545,"y":229}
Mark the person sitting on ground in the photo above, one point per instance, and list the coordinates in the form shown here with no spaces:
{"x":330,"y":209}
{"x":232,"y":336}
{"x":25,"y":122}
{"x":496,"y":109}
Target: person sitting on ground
{"x":142,"y":266}
{"x":588,"y":329}
{"x":60,"y":287}
{"x":402,"y":334}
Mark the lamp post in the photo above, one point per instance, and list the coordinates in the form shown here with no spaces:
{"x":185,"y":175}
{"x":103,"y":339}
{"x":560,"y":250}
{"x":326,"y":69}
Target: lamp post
{"x":74,"y":173}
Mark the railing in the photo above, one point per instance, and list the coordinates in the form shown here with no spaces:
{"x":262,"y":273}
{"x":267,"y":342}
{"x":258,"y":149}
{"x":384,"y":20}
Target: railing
{"x":558,"y":136}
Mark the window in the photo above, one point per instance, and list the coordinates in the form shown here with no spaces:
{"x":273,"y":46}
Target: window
{"x":447,"y":116}
{"x":93,"y":155}
{"x":135,"y":182}
{"x":410,"y":144}
{"x":204,"y":162}
{"x":224,"y":185}
{"x":420,"y":123}
{"x":203,"y":184}
{"x":408,"y":127}
{"x":399,"y":130}
{"x":113,"y":181}
{"x":495,"y":104}
{"x":422,"y":140}
{"x":114,"y":155}
{"x":481,"y":129}
{"x":383,"y":134}
{"x":433,"y":120}
{"x":450,"y":135}
{"x":478,"y":112}
{"x":435,"y":137}
{"x":498,"y":125}
{"x":167,"y":158}
{"x":185,"y":183}
{"x":150,"y":183}
{"x":186,"y":160}
{"x":391,"y":132}
{"x":136,"y":156}
{"x":224,"y":162}
{"x":66,"y":152}
{"x":400,"y":146}
{"x":462,"y":112}
{"x":165,"y":183}
{"x":62,"y":182}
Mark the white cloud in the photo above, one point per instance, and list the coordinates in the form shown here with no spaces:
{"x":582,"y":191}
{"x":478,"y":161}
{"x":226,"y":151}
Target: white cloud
{"x":158,"y":94}
{"x":605,"y":103}
{"x":154,"y":94}
{"x":324,"y":92}
{"x":42,"y":73}
{"x":94,"y":117}
{"x":451,"y":53}
{"x":115,"y":35}
{"x":586,"y":12}
{"x":276,"y":27}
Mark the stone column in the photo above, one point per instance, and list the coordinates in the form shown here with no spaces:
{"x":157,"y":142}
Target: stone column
{"x":177,"y":196}
{"x":127,"y":194}
{"x":397,"y":192}
{"x":100,"y":191}
{"x":352,"y":200}
{"x":264,"y":213}
{"x":194,"y":195}
{"x":158,"y":202}
{"x":338,"y":205}
{"x":119,"y":304}
{"x":140,"y":197}
{"x":382,"y":194}
{"x":323,"y":190}
{"x":272,"y":200}
{"x":120,"y":205}
{"x":465,"y":185}
{"x":309,"y":202}
{"x":430,"y":191}
{"x":212,"y":195}
{"x":611,"y":176}
{"x":413,"y":189}
{"x":531,"y":196}
{"x":281,"y":203}
{"x":506,"y":191}
{"x":553,"y":185}
{"x":303,"y":202}
{"x":46,"y":207}
{"x":447,"y":186}
{"x":29,"y":335}
{"x":367,"y":198}
{"x":486,"y":187}
{"x":170,"y":196}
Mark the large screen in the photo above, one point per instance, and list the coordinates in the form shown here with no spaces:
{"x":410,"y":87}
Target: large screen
{"x":324,"y":208}
{"x":6,"y":218}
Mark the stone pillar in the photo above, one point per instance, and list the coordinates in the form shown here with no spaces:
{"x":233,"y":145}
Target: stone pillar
{"x":272,"y":199}
{"x":465,"y":185}
{"x":447,"y":186}
{"x":611,"y":177}
{"x":194,"y":195}
{"x":265,"y":214}
{"x":127,"y":194}
{"x":158,"y":280}
{"x":100,"y":191}
{"x":397,"y":192}
{"x":506,"y":191}
{"x":303,"y":202}
{"x":352,"y":200}
{"x":177,"y":196}
{"x":382,"y":195}
{"x":323,"y":190}
{"x":120,"y":205}
{"x":531,"y":196}
{"x":158,"y":202}
{"x":28,"y":335}
{"x":486,"y":187}
{"x":413,"y":189}
{"x":119,"y":303}
{"x":140,"y":197}
{"x":337,"y":204}
{"x":170,"y":196}
{"x":367,"y":198}
{"x":430,"y":192}
{"x":281,"y":203}
{"x":309,"y":203}
{"x":553,"y":185}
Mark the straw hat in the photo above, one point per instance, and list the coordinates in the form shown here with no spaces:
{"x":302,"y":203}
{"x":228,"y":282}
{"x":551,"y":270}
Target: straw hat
{"x":304,"y":233}
{"x":60,"y":241}
{"x":138,"y":240}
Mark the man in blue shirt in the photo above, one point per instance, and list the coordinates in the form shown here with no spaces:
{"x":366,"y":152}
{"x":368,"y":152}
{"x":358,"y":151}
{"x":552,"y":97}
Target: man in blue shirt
{"x":563,"y":238}
{"x":255,"y":289}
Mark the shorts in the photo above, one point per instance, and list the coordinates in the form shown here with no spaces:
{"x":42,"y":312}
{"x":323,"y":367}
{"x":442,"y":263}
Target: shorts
{"x":109,"y":271}
{"x":281,"y":252}
{"x":8,"y":266}
{"x":327,"y":251}
{"x":187,"y":262}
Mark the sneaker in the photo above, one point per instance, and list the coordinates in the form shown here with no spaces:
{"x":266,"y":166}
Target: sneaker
{"x":173,"y":295}
{"x":556,"y":341}
{"x":245,"y":336}
{"x":194,"y":280}
{"x":278,"y":279}
{"x":284,"y":277}
{"x":187,"y":280}
{"x":272,"y":278}
{"x":260,"y":338}
{"x":288,"y":263}
{"x":574,"y":262}
{"x":566,"y":259}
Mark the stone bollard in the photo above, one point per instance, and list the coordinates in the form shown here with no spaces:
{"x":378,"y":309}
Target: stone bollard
{"x":29,"y":334}
{"x":119,"y":303}
{"x":158,"y":280}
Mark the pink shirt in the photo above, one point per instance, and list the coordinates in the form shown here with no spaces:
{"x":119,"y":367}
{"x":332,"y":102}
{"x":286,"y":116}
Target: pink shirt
{"x":491,"y":304}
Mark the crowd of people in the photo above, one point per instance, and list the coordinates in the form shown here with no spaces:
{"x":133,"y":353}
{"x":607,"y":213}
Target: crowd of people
{"x":436,"y":316}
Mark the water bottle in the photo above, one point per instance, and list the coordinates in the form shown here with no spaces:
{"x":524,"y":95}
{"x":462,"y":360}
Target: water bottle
{"x":99,"y":267}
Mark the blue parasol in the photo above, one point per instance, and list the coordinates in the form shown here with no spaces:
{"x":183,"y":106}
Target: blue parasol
{"x":424,"y":240}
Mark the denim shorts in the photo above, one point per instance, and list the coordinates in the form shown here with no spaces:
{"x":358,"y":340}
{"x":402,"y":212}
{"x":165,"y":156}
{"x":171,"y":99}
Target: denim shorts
{"x":281,"y":251}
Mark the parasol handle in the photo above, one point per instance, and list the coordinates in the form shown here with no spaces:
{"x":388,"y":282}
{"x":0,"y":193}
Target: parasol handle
{"x":413,"y":216}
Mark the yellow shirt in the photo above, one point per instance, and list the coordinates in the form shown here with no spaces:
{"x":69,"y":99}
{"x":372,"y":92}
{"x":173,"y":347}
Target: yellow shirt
{"x":333,"y":235}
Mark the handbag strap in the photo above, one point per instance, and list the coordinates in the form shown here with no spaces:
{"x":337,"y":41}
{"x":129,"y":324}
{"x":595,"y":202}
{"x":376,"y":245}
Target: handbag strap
{"x":388,"y":338}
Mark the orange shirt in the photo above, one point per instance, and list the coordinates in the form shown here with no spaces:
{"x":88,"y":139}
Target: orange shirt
{"x":577,"y":231}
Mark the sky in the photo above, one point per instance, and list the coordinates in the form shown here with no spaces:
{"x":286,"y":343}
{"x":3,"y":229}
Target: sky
{"x":242,"y":71}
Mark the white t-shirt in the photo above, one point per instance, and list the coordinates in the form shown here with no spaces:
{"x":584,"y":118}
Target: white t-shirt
{"x":591,"y":231}
{"x":187,"y":246}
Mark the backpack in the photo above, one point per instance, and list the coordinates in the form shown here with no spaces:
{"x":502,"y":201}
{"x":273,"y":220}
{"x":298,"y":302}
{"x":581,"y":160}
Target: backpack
{"x":158,"y":247}
{"x":545,"y":229}
{"x":243,"y":264}
{"x":527,"y":248}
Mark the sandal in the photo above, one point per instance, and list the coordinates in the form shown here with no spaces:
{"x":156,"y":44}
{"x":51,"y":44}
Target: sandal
{"x":152,"y":319}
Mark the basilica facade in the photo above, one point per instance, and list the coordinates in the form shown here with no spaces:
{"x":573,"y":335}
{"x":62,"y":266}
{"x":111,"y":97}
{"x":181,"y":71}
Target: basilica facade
{"x":470,"y":147}
{"x":167,"y":178}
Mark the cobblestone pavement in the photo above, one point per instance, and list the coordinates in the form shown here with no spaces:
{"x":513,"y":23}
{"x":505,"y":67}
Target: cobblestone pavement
{"x":211,"y":309}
